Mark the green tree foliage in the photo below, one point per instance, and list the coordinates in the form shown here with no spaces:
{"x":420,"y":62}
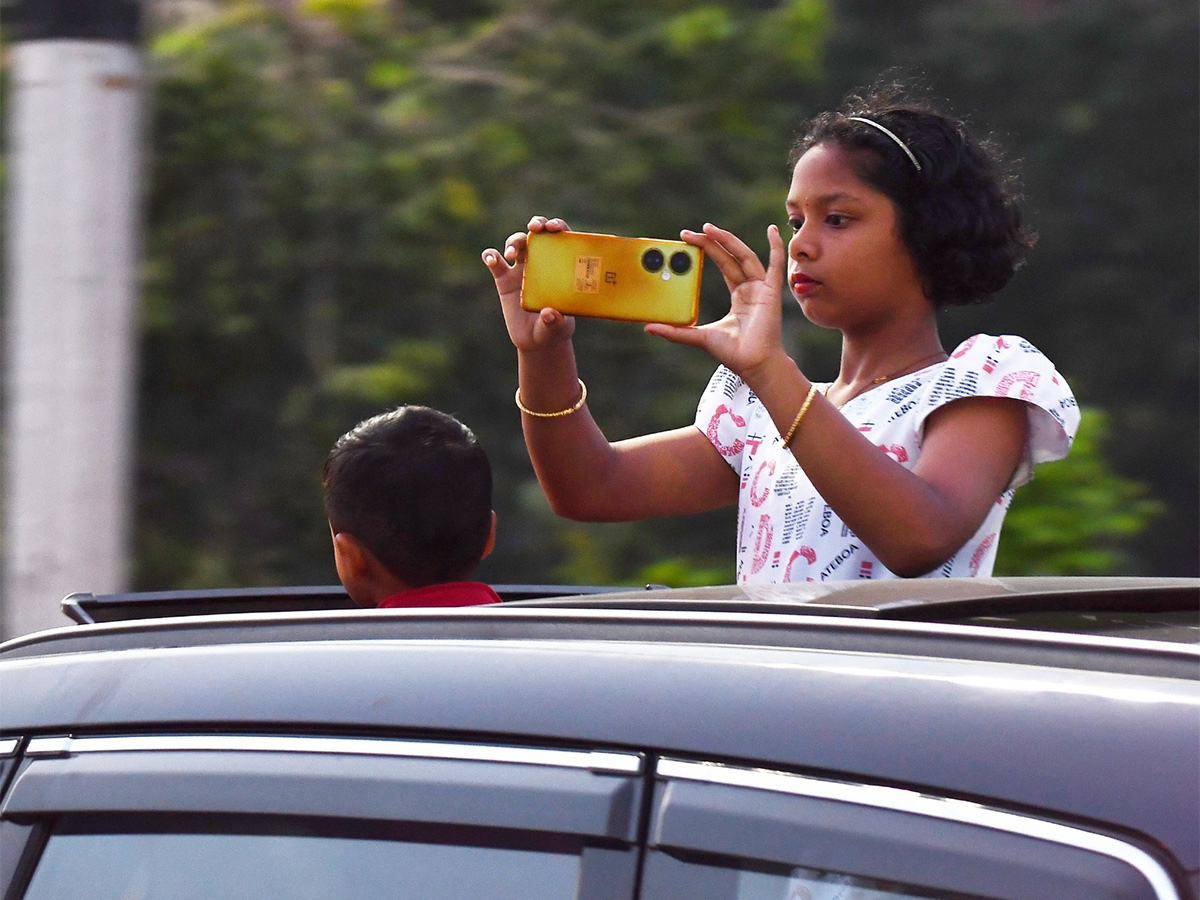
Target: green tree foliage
{"x":325,"y":174}
{"x":1076,"y":516}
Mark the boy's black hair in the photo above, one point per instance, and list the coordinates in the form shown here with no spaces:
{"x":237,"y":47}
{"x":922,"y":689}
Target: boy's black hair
{"x":415,"y":487}
{"x":958,"y":214}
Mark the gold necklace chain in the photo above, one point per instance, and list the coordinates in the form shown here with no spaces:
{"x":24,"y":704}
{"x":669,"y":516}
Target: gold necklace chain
{"x":912,"y":366}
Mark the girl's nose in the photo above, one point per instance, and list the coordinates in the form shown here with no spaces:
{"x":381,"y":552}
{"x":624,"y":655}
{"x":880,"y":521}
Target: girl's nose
{"x":802,"y":245}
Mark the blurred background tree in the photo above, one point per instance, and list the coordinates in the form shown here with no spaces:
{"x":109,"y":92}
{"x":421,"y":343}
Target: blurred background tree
{"x":326,"y":173}
{"x":1077,"y":516}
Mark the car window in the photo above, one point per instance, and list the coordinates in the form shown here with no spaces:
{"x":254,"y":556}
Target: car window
{"x":234,"y":866}
{"x":672,"y":878}
{"x":215,"y":816}
{"x":813,"y":884}
{"x":8,"y":758}
{"x":723,"y":832}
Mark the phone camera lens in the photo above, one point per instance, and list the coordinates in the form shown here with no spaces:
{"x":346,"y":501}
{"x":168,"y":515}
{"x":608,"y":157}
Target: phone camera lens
{"x":680,"y":262}
{"x":652,"y":260}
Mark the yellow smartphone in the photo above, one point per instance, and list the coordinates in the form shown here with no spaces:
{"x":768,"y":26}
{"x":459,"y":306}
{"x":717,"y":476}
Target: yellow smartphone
{"x":609,"y":277}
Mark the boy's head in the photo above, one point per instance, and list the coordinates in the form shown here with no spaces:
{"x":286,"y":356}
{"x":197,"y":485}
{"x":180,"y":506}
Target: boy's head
{"x":413,"y":489}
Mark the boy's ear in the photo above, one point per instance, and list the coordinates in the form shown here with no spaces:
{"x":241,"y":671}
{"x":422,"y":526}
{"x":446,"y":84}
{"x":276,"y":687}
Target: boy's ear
{"x":490,"y":544}
{"x":350,"y":557}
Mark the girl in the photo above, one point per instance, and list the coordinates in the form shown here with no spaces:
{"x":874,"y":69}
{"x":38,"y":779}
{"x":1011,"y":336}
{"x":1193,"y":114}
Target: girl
{"x":905,"y":464}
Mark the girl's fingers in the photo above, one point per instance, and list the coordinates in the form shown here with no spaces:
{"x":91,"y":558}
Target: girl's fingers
{"x":541,"y":223}
{"x":711,"y":244}
{"x":502,"y":273}
{"x":725,"y":261}
{"x":553,"y":324}
{"x":514,"y":248}
{"x":746,"y":258}
{"x":691,"y":335}
{"x":737,"y":262}
{"x":507,"y":277}
{"x":494,"y":261}
{"x":777,"y":261}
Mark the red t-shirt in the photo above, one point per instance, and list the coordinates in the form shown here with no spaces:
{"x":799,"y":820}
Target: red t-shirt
{"x":453,"y":593}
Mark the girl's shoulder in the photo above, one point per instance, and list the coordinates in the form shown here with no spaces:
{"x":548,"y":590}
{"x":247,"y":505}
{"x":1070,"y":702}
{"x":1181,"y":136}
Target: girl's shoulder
{"x":1011,"y":367}
{"x":1003,"y":365}
{"x":991,"y":352}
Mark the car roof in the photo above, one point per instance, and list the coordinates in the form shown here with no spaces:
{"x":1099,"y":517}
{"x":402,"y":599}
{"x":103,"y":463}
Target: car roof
{"x":957,"y":707}
{"x":1151,"y":608}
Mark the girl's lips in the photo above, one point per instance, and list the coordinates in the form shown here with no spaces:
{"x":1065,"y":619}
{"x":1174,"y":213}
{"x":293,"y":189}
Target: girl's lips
{"x":802,"y":284}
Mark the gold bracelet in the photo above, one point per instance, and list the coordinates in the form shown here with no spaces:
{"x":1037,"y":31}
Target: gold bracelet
{"x":812,"y":391}
{"x":555,"y":415}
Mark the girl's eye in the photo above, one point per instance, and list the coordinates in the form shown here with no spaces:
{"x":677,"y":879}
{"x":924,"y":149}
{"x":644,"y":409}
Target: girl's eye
{"x":837,"y":220}
{"x":796,"y":224}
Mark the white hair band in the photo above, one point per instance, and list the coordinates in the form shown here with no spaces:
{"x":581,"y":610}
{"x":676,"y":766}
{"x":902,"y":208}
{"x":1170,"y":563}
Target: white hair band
{"x":899,"y":143}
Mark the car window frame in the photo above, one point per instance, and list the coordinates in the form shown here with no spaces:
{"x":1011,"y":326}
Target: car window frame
{"x":707,"y":809}
{"x":515,"y":793}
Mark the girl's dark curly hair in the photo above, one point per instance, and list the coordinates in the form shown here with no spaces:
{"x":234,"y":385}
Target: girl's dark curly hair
{"x":958,"y":214}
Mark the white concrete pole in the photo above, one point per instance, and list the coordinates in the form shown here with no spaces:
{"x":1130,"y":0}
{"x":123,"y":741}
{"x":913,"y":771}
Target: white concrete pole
{"x":73,"y":218}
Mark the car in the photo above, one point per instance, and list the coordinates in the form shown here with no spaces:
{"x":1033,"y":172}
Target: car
{"x":1009,"y":739}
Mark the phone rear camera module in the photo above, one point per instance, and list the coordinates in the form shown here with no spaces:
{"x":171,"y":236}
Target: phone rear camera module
{"x":652,"y":260}
{"x":680,"y":262}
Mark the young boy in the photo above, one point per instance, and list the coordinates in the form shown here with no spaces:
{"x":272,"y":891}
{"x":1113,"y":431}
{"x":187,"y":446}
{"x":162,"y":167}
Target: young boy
{"x":408,"y":494}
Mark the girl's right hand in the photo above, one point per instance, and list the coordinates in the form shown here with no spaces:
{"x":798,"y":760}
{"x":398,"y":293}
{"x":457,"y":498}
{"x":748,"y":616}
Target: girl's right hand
{"x":528,"y":331}
{"x":750,"y":336}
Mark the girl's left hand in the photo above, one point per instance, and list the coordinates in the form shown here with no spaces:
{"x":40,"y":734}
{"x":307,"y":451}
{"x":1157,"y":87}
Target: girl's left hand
{"x":751,"y":333}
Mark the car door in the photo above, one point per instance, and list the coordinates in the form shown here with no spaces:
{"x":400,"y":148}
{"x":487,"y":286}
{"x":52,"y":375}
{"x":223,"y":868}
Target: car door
{"x":215,"y":816}
{"x":721,"y":832}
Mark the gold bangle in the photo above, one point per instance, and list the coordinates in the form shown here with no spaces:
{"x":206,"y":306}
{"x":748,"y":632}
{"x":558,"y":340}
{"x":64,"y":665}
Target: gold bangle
{"x":812,"y":391}
{"x":555,"y":415}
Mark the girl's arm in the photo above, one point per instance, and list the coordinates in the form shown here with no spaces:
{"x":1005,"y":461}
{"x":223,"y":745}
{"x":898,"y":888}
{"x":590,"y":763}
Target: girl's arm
{"x":584,"y":476}
{"x":913,"y":520}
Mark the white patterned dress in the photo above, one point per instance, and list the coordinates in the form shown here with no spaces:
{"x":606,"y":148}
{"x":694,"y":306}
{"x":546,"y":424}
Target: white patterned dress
{"x":787,"y":532}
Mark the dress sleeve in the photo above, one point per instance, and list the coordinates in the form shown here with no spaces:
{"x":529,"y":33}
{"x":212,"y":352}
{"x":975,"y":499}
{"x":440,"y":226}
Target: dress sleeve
{"x":722,"y":415}
{"x":1010,"y":366}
